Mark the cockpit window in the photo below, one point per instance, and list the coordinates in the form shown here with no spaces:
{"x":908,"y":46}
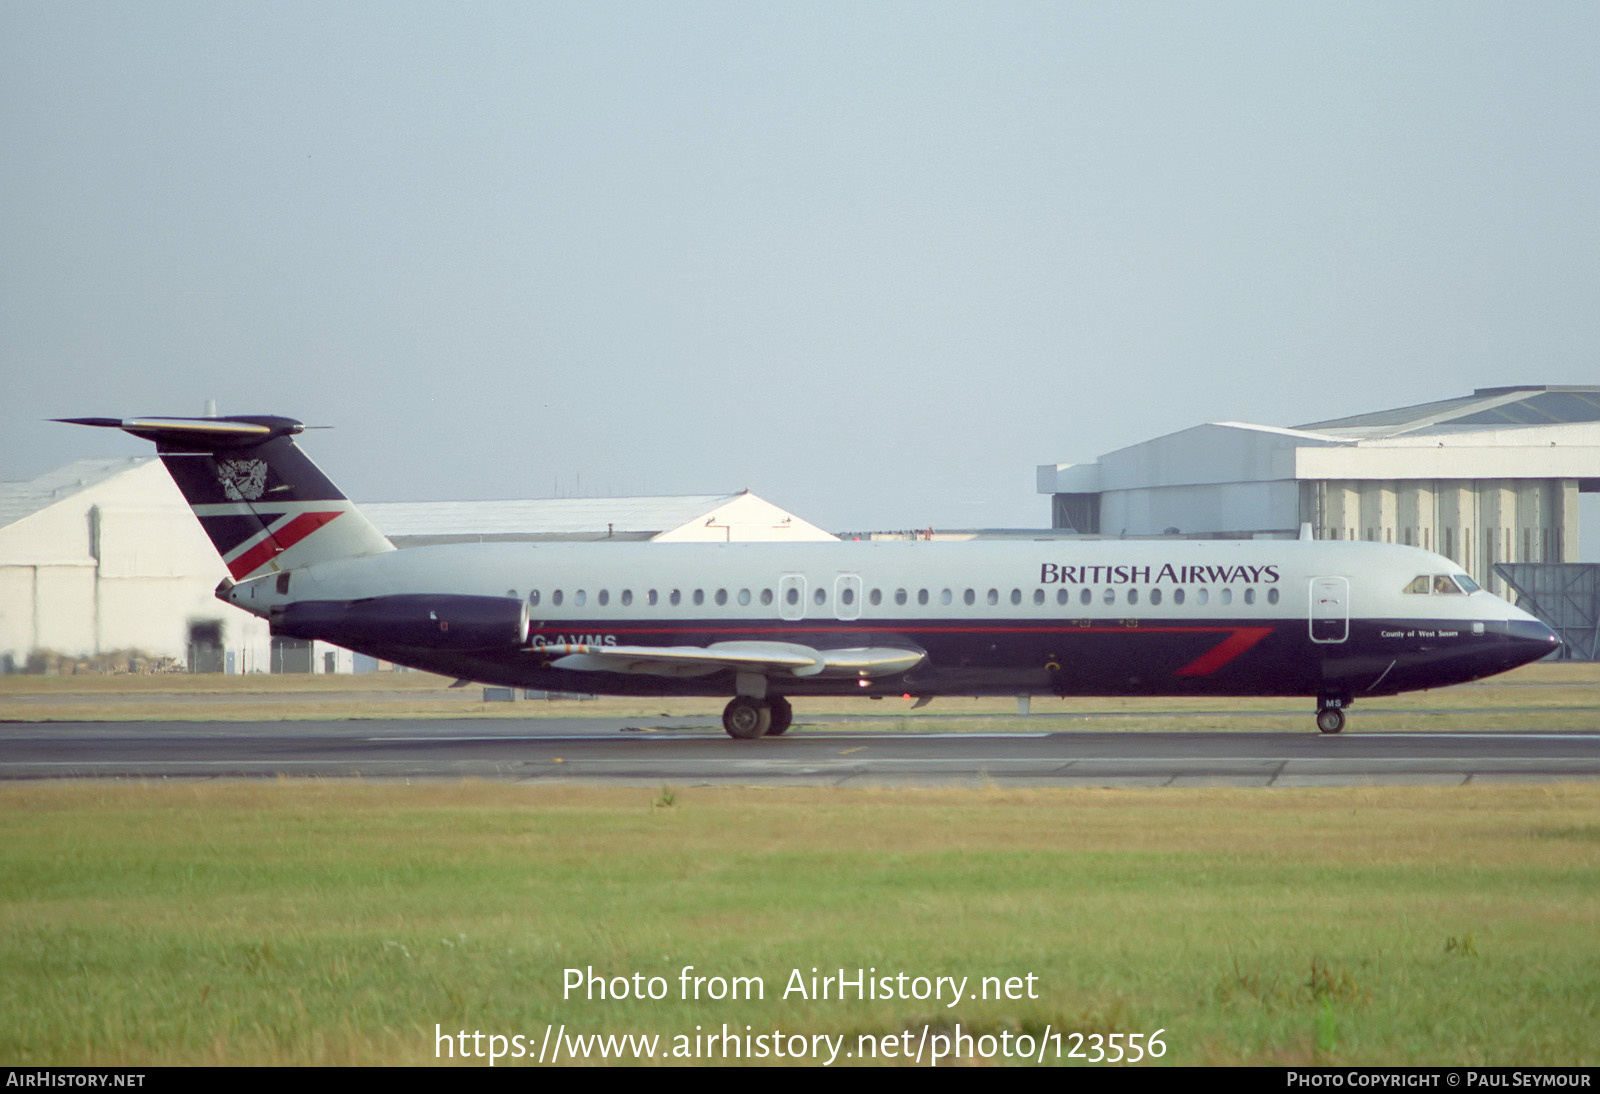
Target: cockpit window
{"x":1442,"y":584}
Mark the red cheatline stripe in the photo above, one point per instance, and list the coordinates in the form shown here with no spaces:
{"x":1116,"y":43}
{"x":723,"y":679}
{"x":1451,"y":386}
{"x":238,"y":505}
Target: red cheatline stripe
{"x":278,"y":541}
{"x":1224,"y":651}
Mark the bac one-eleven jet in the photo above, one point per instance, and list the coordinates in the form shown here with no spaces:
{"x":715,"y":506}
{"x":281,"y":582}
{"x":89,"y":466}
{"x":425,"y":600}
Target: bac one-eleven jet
{"x":760,"y":622}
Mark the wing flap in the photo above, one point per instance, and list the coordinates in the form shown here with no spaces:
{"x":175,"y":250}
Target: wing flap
{"x":778,"y":658}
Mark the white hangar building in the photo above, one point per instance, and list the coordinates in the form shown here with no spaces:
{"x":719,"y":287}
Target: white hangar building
{"x":1492,"y":477}
{"x":103,"y":562}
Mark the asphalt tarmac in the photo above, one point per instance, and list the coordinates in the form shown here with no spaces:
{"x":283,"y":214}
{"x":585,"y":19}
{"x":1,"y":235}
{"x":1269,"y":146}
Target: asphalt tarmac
{"x":819,"y":752}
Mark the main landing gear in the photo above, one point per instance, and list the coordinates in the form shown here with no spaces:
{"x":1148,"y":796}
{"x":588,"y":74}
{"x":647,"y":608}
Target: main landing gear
{"x":747,"y":717}
{"x":1330,"y":719}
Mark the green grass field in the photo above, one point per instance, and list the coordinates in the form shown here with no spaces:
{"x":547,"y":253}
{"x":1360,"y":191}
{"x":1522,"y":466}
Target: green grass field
{"x":340,"y":922}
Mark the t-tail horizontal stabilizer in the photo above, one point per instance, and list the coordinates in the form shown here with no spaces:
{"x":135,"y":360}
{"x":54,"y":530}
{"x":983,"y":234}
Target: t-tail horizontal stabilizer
{"x":263,"y":503}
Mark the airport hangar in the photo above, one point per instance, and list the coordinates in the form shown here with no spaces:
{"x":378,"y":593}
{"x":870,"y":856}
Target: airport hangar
{"x":102,"y":562}
{"x":1490,"y":480}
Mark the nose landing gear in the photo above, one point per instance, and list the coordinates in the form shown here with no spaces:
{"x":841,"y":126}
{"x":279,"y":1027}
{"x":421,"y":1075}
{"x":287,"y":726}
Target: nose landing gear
{"x":1330,"y":719}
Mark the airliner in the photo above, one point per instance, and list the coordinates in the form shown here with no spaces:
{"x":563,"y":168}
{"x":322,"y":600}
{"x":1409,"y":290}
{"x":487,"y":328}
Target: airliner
{"x":761,"y":623}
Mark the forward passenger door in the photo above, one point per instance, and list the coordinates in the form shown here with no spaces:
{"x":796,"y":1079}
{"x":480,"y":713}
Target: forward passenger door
{"x":1330,"y":609}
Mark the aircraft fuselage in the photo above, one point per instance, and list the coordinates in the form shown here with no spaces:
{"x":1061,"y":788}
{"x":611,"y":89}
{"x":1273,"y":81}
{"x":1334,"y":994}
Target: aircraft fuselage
{"x":1329,"y":620}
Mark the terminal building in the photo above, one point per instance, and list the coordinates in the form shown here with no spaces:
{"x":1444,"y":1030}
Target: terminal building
{"x":1490,"y":480}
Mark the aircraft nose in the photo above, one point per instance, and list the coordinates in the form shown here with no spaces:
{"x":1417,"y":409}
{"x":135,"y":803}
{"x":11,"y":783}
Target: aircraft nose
{"x":1528,"y":640}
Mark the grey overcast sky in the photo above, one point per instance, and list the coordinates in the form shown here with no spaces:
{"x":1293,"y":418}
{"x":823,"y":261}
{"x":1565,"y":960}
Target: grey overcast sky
{"x":874,"y":261}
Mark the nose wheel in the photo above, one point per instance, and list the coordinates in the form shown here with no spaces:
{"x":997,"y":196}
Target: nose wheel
{"x":1330,"y":719}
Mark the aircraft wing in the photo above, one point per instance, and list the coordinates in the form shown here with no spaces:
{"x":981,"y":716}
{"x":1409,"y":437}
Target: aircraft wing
{"x":766,"y":657}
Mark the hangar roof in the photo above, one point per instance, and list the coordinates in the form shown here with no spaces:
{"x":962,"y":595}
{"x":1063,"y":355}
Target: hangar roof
{"x":1486,"y":408}
{"x":742,"y":516}
{"x":23,"y":499}
{"x":578,"y":518}
{"x":1522,"y":432}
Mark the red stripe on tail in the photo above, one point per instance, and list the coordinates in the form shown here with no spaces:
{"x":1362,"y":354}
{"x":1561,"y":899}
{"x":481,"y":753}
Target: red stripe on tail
{"x":278,"y":542}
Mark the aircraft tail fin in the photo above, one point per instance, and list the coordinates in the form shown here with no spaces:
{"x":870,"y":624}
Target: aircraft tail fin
{"x":264,"y":504}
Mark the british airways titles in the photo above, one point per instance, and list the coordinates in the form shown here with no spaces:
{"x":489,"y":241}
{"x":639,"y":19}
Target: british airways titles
{"x":1051,"y":573}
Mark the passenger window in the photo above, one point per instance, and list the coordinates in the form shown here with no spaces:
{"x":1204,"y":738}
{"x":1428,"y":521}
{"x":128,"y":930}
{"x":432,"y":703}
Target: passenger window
{"x":555,"y":598}
{"x":533,"y":599}
{"x":627,"y":597}
{"x":922,"y":596}
{"x":1133,"y":596}
{"x":580,"y":597}
{"x":676,"y":598}
{"x":1202,"y":596}
{"x":722,"y":597}
{"x":604,"y":598}
{"x":969,"y":597}
{"x":820,"y":596}
{"x":899,"y":596}
{"x":1062,"y":596}
{"x":1226,"y":597}
{"x":744,"y":596}
{"x":1038,"y":596}
{"x":1250,"y":595}
{"x":1177,"y":596}
{"x":1272,"y":596}
{"x":766,"y":596}
{"x":994,"y":596}
{"x":946,"y":596}
{"x":1155,"y":596}
{"x":1016,"y":596}
{"x":1085,"y":595}
{"x":847,"y":596}
{"x":651,"y":598}
{"x":1110,"y":596}
{"x":875,"y":597}
{"x":699,"y":597}
{"x":791,"y":595}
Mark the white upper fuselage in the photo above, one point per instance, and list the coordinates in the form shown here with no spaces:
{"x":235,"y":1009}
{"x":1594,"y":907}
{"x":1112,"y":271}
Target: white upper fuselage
{"x":848,"y":581}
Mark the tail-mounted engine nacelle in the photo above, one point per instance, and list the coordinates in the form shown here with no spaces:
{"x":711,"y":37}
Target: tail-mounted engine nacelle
{"x":437,"y":622}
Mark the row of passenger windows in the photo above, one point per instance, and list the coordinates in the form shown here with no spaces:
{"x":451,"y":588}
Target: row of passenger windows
{"x":847,"y":596}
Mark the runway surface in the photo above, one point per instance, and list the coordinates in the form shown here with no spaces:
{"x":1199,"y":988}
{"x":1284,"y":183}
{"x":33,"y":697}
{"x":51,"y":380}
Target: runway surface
{"x":843,"y":752}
